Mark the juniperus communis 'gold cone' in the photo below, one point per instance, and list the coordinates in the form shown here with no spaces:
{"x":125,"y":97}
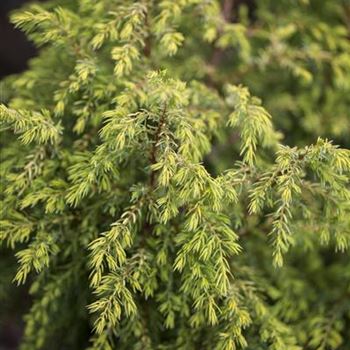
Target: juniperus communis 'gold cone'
{"x":153,"y":201}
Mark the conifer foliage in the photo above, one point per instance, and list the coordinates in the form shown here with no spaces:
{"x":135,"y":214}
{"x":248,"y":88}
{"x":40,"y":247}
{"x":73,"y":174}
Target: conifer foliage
{"x":153,"y":201}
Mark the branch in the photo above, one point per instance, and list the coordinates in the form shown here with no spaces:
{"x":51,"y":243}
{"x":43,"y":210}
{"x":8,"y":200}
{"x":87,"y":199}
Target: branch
{"x":218,"y":53}
{"x":153,"y":154}
{"x":227,"y":8}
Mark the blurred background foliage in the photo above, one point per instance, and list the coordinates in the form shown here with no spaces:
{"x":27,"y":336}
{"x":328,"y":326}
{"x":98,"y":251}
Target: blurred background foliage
{"x":293,"y":54}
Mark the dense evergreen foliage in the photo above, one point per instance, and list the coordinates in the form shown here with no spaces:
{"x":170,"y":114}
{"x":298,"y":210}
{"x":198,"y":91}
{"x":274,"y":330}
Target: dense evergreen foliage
{"x":153,"y":201}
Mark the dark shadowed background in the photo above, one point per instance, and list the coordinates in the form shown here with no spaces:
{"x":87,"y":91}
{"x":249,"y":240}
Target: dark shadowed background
{"x":15,"y":50}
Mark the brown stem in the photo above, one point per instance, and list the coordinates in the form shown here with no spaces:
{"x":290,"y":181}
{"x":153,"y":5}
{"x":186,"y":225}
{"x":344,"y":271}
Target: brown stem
{"x":148,"y":44}
{"x":227,"y":8}
{"x":153,"y":154}
{"x":218,"y":53}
